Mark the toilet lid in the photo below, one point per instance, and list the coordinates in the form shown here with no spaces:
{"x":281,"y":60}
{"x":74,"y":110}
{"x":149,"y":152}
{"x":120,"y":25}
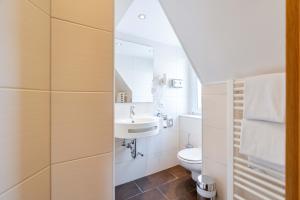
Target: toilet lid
{"x":191,"y":154}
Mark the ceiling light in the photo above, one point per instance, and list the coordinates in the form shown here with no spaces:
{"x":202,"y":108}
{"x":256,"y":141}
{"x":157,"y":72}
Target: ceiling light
{"x":142,"y":16}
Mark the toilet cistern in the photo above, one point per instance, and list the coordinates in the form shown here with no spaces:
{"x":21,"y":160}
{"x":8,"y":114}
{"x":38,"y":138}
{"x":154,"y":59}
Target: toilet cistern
{"x":132,"y":113}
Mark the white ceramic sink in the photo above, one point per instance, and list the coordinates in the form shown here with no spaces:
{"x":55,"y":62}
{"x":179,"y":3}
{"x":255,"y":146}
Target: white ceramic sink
{"x":139,"y":127}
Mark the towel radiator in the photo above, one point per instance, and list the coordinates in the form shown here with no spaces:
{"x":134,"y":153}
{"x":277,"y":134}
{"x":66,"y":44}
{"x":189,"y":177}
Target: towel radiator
{"x":256,"y":182}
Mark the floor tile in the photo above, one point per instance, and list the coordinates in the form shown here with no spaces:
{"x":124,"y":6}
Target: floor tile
{"x":178,"y":188}
{"x":190,"y":196}
{"x":154,"y":180}
{"x":178,"y":171}
{"x":127,"y":190}
{"x":150,"y":195}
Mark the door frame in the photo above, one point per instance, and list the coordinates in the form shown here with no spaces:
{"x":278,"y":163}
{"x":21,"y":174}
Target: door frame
{"x":293,"y":104}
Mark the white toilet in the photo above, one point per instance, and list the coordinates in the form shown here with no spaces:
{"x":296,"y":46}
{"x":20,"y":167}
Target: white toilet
{"x":191,"y":159}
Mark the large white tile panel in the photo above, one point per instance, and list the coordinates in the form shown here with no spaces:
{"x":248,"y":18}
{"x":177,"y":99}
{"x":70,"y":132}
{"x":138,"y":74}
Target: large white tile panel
{"x":94,"y":13}
{"x":82,"y":124}
{"x":192,"y":126}
{"x":42,"y":4}
{"x":88,"y":178}
{"x":24,"y":133}
{"x":218,"y":88}
{"x":161,"y":161}
{"x":215,"y":110}
{"x":219,"y":173}
{"x":130,"y":170}
{"x":25,"y":45}
{"x":82,"y":57}
{"x":215,"y":144}
{"x":36,"y":187}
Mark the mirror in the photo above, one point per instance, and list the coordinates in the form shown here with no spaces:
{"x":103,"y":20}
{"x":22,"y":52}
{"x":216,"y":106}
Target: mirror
{"x":133,"y":72}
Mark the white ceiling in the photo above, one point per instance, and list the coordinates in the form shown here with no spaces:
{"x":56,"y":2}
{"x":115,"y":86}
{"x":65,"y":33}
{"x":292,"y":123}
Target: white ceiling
{"x":155,"y":27}
{"x":230,"y":39}
{"x":121,"y":7}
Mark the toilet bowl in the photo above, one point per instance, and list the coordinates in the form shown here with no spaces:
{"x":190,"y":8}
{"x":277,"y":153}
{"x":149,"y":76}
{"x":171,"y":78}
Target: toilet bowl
{"x":191,"y":159}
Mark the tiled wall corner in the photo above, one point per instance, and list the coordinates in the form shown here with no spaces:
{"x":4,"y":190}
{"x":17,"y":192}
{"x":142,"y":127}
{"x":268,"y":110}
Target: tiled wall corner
{"x":81,"y":100}
{"x":215,"y":134}
{"x":25,"y":100}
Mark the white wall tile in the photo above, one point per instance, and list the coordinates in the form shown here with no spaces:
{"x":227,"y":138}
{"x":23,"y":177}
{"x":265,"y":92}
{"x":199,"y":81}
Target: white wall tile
{"x":24,"y":133}
{"x":215,"y":135}
{"x":215,"y":144}
{"x":192,"y":126}
{"x":25,"y":46}
{"x":82,"y":57}
{"x":94,"y":13}
{"x":36,"y":187}
{"x":130,"y":170}
{"x":42,"y":4}
{"x":215,"y":110}
{"x":82,"y":125}
{"x":219,"y":173}
{"x":88,"y":178}
{"x":211,"y":89}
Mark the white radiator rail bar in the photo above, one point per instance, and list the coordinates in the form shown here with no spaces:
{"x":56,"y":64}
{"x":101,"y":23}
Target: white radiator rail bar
{"x":253,"y":192}
{"x":246,"y":162}
{"x":250,"y":179}
{"x":261,"y":175}
{"x":238,"y":197}
{"x":265,"y":191}
{"x":255,"y":180}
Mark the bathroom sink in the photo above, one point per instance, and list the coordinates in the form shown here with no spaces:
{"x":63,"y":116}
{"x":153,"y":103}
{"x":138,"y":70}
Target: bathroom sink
{"x":137,"y":127}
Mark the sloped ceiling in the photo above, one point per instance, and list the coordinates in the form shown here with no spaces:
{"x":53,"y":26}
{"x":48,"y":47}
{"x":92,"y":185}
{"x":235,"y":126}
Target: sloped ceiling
{"x":230,"y":39}
{"x":121,"y":7}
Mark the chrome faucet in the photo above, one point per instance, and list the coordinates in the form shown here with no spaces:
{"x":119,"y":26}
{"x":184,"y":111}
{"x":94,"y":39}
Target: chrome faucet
{"x":132,"y":113}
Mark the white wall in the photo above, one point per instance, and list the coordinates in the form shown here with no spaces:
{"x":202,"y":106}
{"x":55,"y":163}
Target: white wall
{"x":160,"y":151}
{"x":25,"y":100}
{"x":231,"y":38}
{"x":215,"y":135}
{"x":190,"y":125}
{"x":82,"y":100}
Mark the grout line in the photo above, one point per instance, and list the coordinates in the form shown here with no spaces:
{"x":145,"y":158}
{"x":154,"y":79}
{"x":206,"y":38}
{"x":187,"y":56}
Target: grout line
{"x":25,"y":179}
{"x":24,"y":89}
{"x":50,"y":86}
{"x":52,"y":91}
{"x":38,"y":7}
{"x":81,"y":158}
{"x":70,"y":91}
{"x":80,"y":24}
{"x":138,"y":187}
{"x":141,"y":192}
{"x":165,"y":196}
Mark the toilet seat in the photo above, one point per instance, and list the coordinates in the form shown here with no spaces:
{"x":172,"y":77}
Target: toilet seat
{"x":190,"y":155}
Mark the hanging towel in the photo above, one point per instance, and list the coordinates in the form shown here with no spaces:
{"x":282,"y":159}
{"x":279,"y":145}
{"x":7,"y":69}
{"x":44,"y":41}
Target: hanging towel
{"x":264,"y":141}
{"x":265,"y":98}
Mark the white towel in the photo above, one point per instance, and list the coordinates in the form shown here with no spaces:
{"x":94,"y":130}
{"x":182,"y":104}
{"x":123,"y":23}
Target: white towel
{"x":265,"y":98}
{"x":264,"y":141}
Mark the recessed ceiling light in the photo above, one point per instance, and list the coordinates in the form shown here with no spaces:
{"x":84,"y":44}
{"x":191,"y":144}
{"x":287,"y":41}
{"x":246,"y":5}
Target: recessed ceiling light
{"x":142,"y":16}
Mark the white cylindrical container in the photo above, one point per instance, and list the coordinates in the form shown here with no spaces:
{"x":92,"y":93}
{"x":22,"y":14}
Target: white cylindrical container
{"x":206,"y":188}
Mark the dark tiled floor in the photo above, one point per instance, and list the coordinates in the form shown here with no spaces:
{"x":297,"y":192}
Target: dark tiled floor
{"x":171,"y":184}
